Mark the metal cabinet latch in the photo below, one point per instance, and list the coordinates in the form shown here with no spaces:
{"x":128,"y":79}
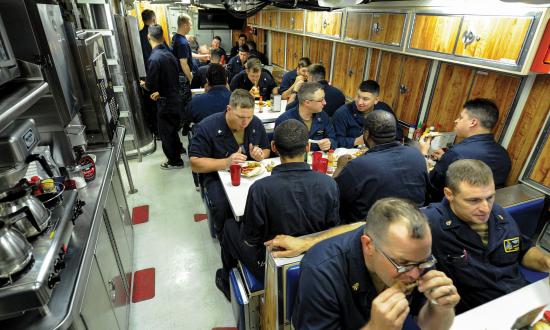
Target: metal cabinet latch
{"x":468,"y":37}
{"x":403,"y":89}
{"x":376,"y":27}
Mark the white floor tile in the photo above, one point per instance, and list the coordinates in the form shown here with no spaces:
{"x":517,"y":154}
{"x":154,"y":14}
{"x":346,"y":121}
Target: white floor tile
{"x":184,"y":255}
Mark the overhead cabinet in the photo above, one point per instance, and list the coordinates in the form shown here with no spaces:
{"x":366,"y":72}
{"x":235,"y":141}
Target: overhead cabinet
{"x":269,"y":18}
{"x":292,"y":20}
{"x":382,"y":28}
{"x":324,"y":23}
{"x":254,"y":19}
{"x":500,"y":41}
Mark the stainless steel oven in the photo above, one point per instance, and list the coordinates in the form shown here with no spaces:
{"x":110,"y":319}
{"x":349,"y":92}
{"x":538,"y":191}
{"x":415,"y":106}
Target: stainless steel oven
{"x":8,"y":64}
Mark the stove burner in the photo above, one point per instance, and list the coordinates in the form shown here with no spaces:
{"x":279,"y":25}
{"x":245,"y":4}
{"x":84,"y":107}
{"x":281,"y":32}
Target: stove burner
{"x":14,"y":277}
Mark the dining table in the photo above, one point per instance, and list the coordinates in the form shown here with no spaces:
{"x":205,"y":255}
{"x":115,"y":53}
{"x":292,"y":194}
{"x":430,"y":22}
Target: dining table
{"x":237,"y":195}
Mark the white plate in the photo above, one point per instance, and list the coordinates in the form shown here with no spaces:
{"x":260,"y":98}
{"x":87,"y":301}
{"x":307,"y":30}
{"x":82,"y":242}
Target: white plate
{"x":255,"y":172}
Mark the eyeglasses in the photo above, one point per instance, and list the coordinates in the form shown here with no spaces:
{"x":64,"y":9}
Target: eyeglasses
{"x":321,"y":100}
{"x":401,"y":269}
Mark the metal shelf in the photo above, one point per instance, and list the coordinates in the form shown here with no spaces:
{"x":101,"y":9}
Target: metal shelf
{"x":18,"y":96}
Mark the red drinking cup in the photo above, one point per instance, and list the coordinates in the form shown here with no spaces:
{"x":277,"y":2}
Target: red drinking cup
{"x":323,"y":165}
{"x":235,"y":174}
{"x":317,"y":156}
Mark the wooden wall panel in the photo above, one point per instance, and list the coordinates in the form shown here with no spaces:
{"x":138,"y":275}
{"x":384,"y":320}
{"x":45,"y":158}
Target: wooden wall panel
{"x":294,"y":50}
{"x":413,"y":78}
{"x":389,"y":75}
{"x":313,"y":21}
{"x":160,"y":13}
{"x":435,"y":33}
{"x":526,"y":132}
{"x":319,"y":51}
{"x":278,"y":48}
{"x":357,"y":26}
{"x":341,"y":60}
{"x":451,"y":90}
{"x":356,"y":72}
{"x":373,"y":64}
{"x":541,"y":171}
{"x":387,"y":28}
{"x":500,"y":38}
{"x":498,"y":87}
{"x":331,"y":23}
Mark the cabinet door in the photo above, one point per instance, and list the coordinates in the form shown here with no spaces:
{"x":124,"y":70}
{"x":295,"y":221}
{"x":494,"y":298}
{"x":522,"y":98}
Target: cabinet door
{"x":286,"y":19}
{"x":319,"y":51}
{"x":277,"y":48}
{"x":451,"y":91}
{"x":331,"y":23}
{"x":541,"y":171}
{"x":122,"y":203}
{"x":387,"y":28}
{"x":388,"y":77}
{"x":493,"y":38}
{"x":96,"y":310}
{"x":436,"y":33}
{"x":411,"y":88}
{"x":251,"y":20}
{"x":355,"y":26}
{"x":498,"y":87}
{"x":313,"y":21}
{"x":349,"y":68}
{"x":269,"y":18}
{"x":112,"y":280}
{"x":373,"y":64}
{"x":294,"y":49}
{"x":292,"y":20}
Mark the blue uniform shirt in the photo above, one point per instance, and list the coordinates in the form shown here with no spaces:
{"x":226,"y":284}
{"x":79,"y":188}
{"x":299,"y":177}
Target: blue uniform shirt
{"x":181,"y":50}
{"x":334,"y":98}
{"x":321,"y":127}
{"x":336,"y":290}
{"x":266,"y":83}
{"x":214,"y":139}
{"x":145,"y":45}
{"x":386,"y":170}
{"x":234,"y":67}
{"x":288,"y":79}
{"x":162,"y":74}
{"x":348,"y":123}
{"x":480,"y":273}
{"x":203,"y":105}
{"x":481,"y":147}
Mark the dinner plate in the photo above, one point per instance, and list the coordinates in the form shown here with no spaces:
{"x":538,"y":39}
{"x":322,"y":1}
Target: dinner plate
{"x":255,"y":172}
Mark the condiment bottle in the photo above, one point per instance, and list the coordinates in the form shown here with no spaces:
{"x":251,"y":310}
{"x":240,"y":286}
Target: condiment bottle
{"x":544,"y":323}
{"x":331,"y":162}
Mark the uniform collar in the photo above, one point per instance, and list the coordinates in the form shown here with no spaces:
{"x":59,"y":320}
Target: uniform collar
{"x":495,"y":226}
{"x":288,"y":167}
{"x":358,"y":274}
{"x":323,"y":83}
{"x":217,"y":88}
{"x":160,"y":47}
{"x":385,"y":146}
{"x":479,"y":137}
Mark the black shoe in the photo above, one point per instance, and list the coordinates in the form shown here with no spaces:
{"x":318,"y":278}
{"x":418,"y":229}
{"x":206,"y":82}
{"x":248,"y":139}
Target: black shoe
{"x":222,"y":283}
{"x":168,"y":166}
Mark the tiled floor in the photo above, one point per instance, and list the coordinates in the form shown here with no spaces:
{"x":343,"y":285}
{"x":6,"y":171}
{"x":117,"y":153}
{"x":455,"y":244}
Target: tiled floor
{"x":183,"y":253}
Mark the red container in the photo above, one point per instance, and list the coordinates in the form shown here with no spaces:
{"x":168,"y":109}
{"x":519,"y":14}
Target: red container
{"x":235,"y":174}
{"x":323,"y":165}
{"x":317,"y":156}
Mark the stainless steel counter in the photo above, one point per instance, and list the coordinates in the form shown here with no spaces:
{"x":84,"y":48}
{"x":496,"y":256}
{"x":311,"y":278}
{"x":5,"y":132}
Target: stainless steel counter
{"x":516,"y":194}
{"x":67,"y":296}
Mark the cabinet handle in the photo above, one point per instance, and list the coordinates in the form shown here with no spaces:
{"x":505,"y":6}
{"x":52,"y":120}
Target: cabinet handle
{"x":325,"y":23}
{"x":112,"y":294}
{"x":403,"y":89}
{"x":292,"y":22}
{"x":469,"y":36}
{"x":377,"y":27}
{"x":350,"y":72}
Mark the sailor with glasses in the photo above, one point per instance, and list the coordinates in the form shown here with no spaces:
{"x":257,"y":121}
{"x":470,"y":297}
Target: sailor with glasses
{"x":367,"y":278}
{"x":311,"y":99}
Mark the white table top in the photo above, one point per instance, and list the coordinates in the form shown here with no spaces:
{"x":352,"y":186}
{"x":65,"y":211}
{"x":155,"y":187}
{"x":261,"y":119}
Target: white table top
{"x":502,"y":312}
{"x":237,"y":194}
{"x":268,"y":116}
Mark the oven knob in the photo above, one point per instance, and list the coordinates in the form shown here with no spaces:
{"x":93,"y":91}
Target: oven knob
{"x":53,"y":280}
{"x":58,"y":265}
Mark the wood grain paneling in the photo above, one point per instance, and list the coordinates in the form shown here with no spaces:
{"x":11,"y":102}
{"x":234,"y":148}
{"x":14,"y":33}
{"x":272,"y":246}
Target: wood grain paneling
{"x":451,"y":91}
{"x":319,"y":51}
{"x":373,"y":64}
{"x":349,"y":68}
{"x":313,"y":21}
{"x":355,"y":26}
{"x":528,"y":128}
{"x":160,"y":13}
{"x":292,"y":20}
{"x":387,"y":28}
{"x":498,"y":87}
{"x":294,"y":50}
{"x":331,"y":23}
{"x":269,"y":18}
{"x":435,"y":33}
{"x":278,"y":48}
{"x":389,"y":76}
{"x":541,"y":171}
{"x":496,"y":38}
{"x":413,"y":78}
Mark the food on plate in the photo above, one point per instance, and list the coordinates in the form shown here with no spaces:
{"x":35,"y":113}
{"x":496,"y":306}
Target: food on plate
{"x":359,"y":152}
{"x":250,"y":169}
{"x":269,"y":166}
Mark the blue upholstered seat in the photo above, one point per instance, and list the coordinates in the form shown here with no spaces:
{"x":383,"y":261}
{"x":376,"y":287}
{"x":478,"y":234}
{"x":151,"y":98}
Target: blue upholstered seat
{"x":527,"y":215}
{"x":252,"y":283}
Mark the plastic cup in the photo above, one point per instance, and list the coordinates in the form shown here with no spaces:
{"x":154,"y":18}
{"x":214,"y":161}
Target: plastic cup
{"x":317,"y":156}
{"x":235,"y":174}
{"x":323,"y":165}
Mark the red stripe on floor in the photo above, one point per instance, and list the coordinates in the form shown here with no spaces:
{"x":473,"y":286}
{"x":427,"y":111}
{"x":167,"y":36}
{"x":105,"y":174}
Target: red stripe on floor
{"x":200,"y":217}
{"x":140,"y":214}
{"x":144,"y":285}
